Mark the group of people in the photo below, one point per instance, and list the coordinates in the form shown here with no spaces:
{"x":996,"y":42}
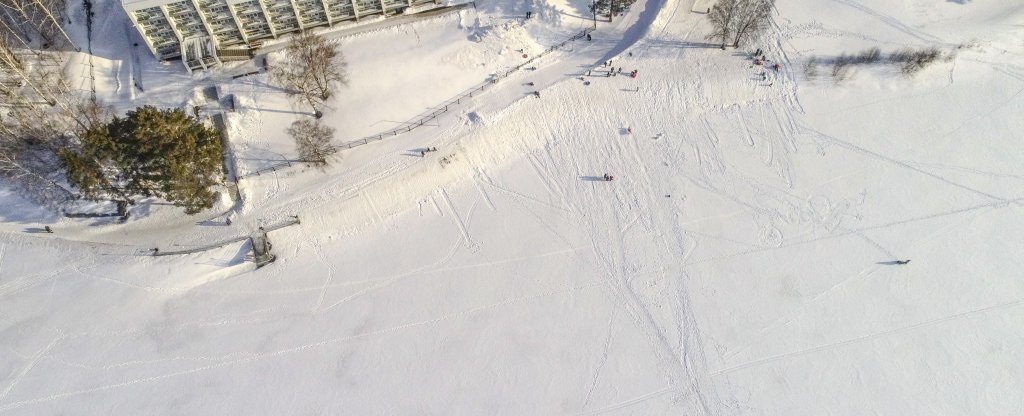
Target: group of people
{"x":761,"y":59}
{"x":429,"y":149}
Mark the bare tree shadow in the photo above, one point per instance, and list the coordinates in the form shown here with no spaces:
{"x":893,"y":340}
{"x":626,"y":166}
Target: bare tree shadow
{"x":417,"y":152}
{"x":893,"y":262}
{"x":275,"y":111}
{"x":239,"y":257}
{"x":212,"y":222}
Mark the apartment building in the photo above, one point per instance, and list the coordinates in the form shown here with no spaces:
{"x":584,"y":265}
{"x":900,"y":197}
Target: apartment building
{"x":204,"y":33}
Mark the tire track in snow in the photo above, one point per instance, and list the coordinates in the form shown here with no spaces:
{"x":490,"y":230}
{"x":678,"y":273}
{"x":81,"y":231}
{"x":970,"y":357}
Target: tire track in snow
{"x":604,"y":360}
{"x":385,"y":282}
{"x":779,"y":151}
{"x":686,"y":357}
{"x":319,"y":251}
{"x":255,"y":357}
{"x":743,"y":125}
{"x":525,"y":197}
{"x":866,"y":152}
{"x":483,"y":194}
{"x":869,"y":337}
{"x":545,"y":178}
{"x":892,"y":22}
{"x":28,"y":367}
{"x":630,"y":402}
{"x":459,"y":223}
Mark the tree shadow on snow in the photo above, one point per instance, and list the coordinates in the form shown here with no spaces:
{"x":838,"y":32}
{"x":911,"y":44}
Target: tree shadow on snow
{"x":239,"y":257}
{"x":417,"y":152}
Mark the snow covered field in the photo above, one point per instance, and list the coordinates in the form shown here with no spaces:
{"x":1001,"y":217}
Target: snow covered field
{"x":741,"y":262}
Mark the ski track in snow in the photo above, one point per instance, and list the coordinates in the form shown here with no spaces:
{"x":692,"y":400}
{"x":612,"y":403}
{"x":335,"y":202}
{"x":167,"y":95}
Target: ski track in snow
{"x":471,"y":244}
{"x":644,"y":247}
{"x":866,"y":152}
{"x":604,"y":360}
{"x":483,"y":194}
{"x":630,"y":402}
{"x":32,"y":361}
{"x":743,"y":126}
{"x":255,"y":357}
{"x":869,"y":337}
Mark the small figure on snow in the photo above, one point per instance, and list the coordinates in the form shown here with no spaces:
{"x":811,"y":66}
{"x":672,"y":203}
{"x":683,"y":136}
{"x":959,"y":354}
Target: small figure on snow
{"x":48,"y":229}
{"x":776,"y":67}
{"x":530,"y":83}
{"x":629,"y":130}
{"x":588,"y":37}
{"x":607,"y":177}
{"x":902,"y":261}
{"x":536,"y":94}
{"x":528,"y":14}
{"x":423,"y":153}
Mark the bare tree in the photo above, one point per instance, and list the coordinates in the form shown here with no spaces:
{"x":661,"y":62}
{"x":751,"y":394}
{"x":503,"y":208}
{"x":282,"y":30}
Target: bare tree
{"x":723,"y":17}
{"x":751,"y":17}
{"x":35,"y":20}
{"x":315,"y":68}
{"x":313,"y":140}
{"x":737,"y":20}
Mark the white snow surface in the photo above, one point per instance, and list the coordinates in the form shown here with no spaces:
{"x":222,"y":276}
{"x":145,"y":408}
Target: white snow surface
{"x":741,"y":262}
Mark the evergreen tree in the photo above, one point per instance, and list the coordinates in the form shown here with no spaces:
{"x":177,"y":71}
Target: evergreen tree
{"x":149,"y":152}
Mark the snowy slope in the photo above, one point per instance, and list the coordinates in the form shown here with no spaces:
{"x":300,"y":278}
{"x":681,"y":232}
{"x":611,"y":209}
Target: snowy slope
{"x":739,"y":264}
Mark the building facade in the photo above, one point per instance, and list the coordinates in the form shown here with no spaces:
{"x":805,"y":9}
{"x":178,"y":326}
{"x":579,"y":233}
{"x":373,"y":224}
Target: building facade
{"x":203,"y":33}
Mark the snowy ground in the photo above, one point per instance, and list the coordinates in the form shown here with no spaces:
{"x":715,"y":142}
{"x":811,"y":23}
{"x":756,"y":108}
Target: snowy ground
{"x":739,"y":264}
